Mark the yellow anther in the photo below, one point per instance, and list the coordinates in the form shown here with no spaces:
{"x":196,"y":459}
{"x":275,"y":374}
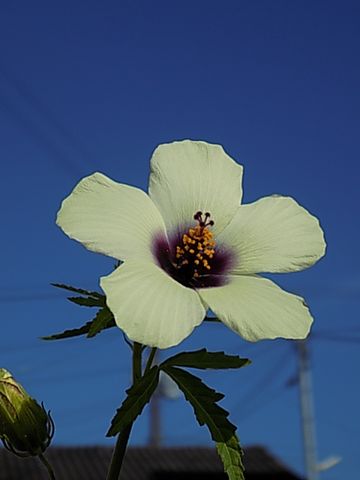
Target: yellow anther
{"x":196,"y":247}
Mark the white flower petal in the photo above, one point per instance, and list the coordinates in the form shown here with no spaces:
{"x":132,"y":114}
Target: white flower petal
{"x":189,"y":176}
{"x":111,"y":218}
{"x":151,"y":307}
{"x":273,"y":234}
{"x":256,"y":308}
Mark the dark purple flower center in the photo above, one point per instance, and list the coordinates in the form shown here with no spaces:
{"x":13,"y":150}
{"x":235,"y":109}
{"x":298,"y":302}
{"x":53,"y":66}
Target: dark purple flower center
{"x":191,"y":256}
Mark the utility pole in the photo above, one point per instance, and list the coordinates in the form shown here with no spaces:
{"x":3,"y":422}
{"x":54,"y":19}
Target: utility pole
{"x":307,"y":410}
{"x":166,"y":390}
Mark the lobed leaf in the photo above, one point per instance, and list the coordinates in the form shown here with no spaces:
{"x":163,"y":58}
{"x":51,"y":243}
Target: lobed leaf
{"x":203,"y":400}
{"x":77,"y":290}
{"x":74,"y":332}
{"x":88,"y":301}
{"x":204,"y":359}
{"x":137,"y":397}
{"x":103,"y":320}
{"x":231,"y":455}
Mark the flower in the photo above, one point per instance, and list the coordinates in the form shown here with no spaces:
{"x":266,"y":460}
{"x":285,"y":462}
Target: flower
{"x":25,"y":426}
{"x":189,"y":245}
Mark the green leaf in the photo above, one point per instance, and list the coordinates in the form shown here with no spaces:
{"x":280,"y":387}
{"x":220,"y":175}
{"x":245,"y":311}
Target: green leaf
{"x":74,"y":332}
{"x":203,"y":400}
{"x":88,"y":301}
{"x":212,"y":319}
{"x":77,"y":290}
{"x":204,"y":359}
{"x":231,"y":455}
{"x":137,"y":397}
{"x":104,"y":319}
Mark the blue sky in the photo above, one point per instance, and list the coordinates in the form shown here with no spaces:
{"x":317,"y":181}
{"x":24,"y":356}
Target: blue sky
{"x":87,"y":86}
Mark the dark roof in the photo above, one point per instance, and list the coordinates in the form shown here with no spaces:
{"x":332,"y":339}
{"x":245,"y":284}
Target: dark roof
{"x":142,"y":463}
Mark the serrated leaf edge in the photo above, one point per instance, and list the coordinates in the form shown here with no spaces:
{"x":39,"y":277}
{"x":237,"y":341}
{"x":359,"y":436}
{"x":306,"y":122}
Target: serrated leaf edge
{"x":152,"y":376}
{"x":221,"y":357}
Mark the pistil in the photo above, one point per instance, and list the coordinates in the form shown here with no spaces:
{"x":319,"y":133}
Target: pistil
{"x":197,"y":247}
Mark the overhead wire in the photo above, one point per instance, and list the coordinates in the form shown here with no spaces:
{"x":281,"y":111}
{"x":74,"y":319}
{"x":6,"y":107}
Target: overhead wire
{"x":44,"y":110}
{"x":64,"y":161}
{"x":41,"y":136}
{"x":338,"y":338}
{"x":29,"y":297}
{"x":248,"y":401}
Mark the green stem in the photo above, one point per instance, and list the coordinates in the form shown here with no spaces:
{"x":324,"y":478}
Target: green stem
{"x":124,"y":435}
{"x":47,"y":465}
{"x":150,"y":359}
{"x":137,"y":349}
{"x":119,"y":453}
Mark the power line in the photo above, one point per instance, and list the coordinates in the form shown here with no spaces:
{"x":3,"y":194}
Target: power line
{"x":38,"y":133}
{"x":41,"y":138}
{"x":17,"y":294}
{"x":337,"y":338}
{"x":37,"y":104}
{"x":90,"y":373}
{"x":30,"y":297}
{"x":271,"y":373}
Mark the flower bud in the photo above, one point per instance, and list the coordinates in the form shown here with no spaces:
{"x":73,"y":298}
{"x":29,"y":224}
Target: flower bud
{"x":25,"y":426}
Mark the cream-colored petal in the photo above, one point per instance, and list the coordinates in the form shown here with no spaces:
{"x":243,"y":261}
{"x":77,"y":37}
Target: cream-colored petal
{"x":190,"y":176}
{"x":151,"y":307}
{"x":111,"y":218}
{"x":273,"y":234}
{"x":256,"y":309}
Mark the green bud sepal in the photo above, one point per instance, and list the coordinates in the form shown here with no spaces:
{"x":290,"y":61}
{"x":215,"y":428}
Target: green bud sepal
{"x":26,"y":428}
